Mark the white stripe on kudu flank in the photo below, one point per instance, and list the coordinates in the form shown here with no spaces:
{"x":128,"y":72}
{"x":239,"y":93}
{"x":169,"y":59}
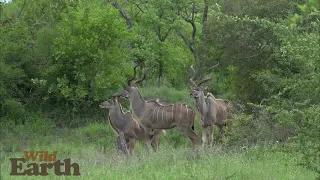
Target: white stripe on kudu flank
{"x":162,"y":114}
{"x":180,"y":111}
{"x":158,"y":113}
{"x":172,"y":110}
{"x":153,"y":112}
{"x":187,"y":110}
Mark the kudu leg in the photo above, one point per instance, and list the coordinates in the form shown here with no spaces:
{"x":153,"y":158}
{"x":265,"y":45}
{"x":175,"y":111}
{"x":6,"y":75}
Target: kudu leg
{"x":148,"y":139}
{"x":131,"y":146}
{"x":204,"y":135}
{"x":211,"y":136}
{"x":155,"y":139}
{"x":222,"y":131}
{"x":193,"y":137}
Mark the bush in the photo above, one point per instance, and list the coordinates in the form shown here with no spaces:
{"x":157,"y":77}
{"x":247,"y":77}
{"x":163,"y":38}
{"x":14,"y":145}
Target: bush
{"x":16,"y":137}
{"x":309,"y":139}
{"x":169,"y":95}
{"x":14,"y":111}
{"x":102,"y":135}
{"x":259,"y":127}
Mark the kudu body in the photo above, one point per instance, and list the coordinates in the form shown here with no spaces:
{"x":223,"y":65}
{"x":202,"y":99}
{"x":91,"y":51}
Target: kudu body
{"x":212,"y":111}
{"x":124,"y":122}
{"x":154,"y":115}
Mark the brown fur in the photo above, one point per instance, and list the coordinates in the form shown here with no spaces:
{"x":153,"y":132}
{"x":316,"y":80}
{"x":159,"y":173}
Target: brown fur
{"x":125,"y":122}
{"x":154,"y":115}
{"x":212,"y":112}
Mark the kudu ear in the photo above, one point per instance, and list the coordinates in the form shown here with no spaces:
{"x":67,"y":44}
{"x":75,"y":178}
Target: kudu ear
{"x":114,"y":100}
{"x":117,"y":94}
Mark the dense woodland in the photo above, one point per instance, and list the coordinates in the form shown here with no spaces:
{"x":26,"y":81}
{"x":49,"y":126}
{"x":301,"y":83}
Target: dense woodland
{"x":60,"y":59}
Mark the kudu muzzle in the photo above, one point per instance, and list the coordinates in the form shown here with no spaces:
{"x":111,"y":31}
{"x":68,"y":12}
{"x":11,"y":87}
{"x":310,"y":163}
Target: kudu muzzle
{"x":122,"y":95}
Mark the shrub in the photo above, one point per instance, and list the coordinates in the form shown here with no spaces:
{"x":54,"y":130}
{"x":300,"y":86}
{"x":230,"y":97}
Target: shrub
{"x":102,"y":135}
{"x":14,"y":111}
{"x":261,"y":126}
{"x":169,"y":95}
{"x":309,"y":139}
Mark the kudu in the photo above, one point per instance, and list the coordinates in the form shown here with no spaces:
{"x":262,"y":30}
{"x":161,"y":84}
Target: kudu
{"x":154,"y":115}
{"x":125,"y":123}
{"x":212,"y":111}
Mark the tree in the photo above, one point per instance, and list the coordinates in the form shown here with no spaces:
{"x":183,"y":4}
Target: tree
{"x":89,"y":57}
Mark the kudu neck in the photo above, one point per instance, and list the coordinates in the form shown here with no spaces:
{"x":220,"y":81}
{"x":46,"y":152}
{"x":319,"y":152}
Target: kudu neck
{"x":201,"y":103}
{"x":137,"y":103}
{"x":116,"y":110}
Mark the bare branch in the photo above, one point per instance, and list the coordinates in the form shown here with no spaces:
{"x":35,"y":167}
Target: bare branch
{"x":23,"y":6}
{"x":185,"y":18}
{"x":6,"y":21}
{"x":204,"y":21}
{"x":123,"y":14}
{"x":164,"y":37}
{"x":214,"y":66}
{"x":191,"y":21}
{"x":186,"y":41}
{"x":138,"y":6}
{"x":166,"y":34}
{"x":144,"y":75}
{"x":193,"y":12}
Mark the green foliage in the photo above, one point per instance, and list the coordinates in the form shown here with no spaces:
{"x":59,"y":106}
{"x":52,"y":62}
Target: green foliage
{"x":169,"y":95}
{"x":244,"y":49}
{"x":101,"y":134}
{"x":89,"y":57}
{"x":156,"y":43}
{"x":247,"y":130}
{"x":309,"y":138}
{"x":14,"y":110}
{"x":273,"y":9}
{"x":13,"y":43}
{"x":31,"y":128}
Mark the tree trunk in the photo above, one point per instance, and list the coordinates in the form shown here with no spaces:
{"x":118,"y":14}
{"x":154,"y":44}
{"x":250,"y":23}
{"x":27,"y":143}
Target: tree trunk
{"x":160,"y":75}
{"x":204,"y":21}
{"x":121,"y":145}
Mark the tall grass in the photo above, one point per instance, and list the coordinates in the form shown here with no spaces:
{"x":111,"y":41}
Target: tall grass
{"x":171,"y":163}
{"x":92,"y":147}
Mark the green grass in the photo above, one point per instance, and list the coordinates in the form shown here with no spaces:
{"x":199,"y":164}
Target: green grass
{"x":171,"y":163}
{"x":96,"y":156}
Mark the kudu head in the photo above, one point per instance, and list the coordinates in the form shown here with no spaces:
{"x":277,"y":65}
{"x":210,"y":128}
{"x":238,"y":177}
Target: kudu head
{"x":131,"y":84}
{"x":196,"y":89}
{"x":109,"y":104}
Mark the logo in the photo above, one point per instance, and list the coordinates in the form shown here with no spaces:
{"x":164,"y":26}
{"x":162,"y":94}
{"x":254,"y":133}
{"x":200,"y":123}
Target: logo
{"x":22,"y":167}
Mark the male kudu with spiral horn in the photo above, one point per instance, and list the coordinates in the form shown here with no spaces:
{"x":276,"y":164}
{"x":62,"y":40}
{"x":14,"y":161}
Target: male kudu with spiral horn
{"x":154,"y":115}
{"x":212,"y":111}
